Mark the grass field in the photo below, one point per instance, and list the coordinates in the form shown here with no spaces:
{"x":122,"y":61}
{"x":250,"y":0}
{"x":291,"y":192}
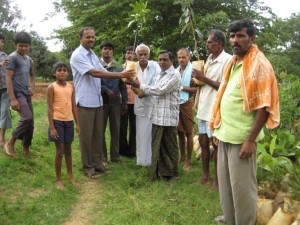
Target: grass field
{"x":125,"y":196}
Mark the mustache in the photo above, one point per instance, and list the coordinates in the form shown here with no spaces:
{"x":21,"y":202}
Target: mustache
{"x":236,"y":45}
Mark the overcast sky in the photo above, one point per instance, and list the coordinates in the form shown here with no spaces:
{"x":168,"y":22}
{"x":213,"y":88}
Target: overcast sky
{"x":35,"y":11}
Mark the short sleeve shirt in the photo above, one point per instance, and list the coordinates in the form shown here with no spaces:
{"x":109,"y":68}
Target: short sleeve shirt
{"x":21,"y":65}
{"x":87,"y":87}
{"x":214,"y":71}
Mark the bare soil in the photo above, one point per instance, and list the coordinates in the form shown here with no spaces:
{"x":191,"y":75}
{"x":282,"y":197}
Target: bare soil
{"x":40,"y":90}
{"x":82,"y":211}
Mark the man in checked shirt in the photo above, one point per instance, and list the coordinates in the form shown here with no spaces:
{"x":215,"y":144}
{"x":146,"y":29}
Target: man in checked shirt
{"x":164,"y":115}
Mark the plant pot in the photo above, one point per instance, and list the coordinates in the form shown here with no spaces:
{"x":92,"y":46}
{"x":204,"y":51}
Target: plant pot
{"x":297,"y":222}
{"x":291,"y":206}
{"x":199,"y":65}
{"x":264,"y":211}
{"x":281,"y":218}
{"x":131,"y":65}
{"x":278,"y":200}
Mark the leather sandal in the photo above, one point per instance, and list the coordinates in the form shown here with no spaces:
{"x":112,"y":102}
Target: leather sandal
{"x":94,"y":175}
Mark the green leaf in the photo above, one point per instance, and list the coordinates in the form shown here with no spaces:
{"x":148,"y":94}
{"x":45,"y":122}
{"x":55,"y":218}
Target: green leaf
{"x":187,"y":19}
{"x":198,"y":33}
{"x":184,"y":28}
{"x":261,"y":148}
{"x":186,"y":12}
{"x":266,"y":162}
{"x":130,"y":23}
{"x":272,"y":145}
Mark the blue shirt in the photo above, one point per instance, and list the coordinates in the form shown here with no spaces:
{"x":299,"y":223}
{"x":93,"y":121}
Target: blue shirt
{"x":87,"y":87}
{"x":117,"y":86}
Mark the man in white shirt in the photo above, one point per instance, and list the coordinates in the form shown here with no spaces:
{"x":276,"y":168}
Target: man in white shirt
{"x":211,"y":77}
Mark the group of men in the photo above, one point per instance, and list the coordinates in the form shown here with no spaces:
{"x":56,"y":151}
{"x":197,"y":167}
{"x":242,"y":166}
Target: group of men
{"x":237,"y":97}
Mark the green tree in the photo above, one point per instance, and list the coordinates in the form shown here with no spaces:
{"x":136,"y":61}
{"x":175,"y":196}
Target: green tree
{"x":160,"y":28}
{"x":188,"y":21}
{"x":42,"y":57}
{"x":287,"y":45}
{"x":9,"y":16}
{"x":138,"y":15}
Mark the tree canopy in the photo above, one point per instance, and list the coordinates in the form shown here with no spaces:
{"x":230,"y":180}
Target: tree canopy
{"x":10,"y":16}
{"x":159,"y":24}
{"x":161,"y":28}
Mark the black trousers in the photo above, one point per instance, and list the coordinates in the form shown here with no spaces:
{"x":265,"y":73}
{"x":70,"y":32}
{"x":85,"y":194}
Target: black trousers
{"x":127,"y":143}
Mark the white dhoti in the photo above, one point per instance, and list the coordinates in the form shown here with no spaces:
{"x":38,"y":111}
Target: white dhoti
{"x":143,"y":141}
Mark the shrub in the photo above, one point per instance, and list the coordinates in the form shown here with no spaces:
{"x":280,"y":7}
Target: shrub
{"x":277,"y":156}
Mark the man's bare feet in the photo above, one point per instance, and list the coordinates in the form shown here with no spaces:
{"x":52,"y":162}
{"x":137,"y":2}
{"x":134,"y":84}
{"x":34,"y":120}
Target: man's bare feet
{"x":73,"y":182}
{"x":187,"y":165}
{"x":2,"y":143}
{"x":182,"y":159}
{"x":60,"y":185}
{"x":26,"y":152}
{"x":214,"y":185}
{"x":204,"y":181}
{"x":9,"y":150}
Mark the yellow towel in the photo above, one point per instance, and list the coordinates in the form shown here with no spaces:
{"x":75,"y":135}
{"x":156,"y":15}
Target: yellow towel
{"x":258,"y":86}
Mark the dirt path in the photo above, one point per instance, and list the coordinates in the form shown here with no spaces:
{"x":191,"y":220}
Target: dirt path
{"x":89,"y":191}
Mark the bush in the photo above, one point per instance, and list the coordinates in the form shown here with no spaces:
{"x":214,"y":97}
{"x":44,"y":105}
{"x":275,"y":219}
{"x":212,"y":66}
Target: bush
{"x":277,"y":159}
{"x":289,"y":90}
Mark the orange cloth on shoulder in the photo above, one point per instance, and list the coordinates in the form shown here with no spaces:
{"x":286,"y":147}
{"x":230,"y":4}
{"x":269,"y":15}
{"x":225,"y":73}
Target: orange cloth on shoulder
{"x":258,"y":86}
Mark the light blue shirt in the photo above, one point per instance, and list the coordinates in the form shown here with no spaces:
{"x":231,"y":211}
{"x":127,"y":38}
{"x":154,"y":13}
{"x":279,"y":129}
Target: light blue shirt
{"x":87,"y":87}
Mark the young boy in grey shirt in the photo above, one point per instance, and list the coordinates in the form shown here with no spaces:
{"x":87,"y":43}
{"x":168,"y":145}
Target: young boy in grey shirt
{"x":20,"y":85}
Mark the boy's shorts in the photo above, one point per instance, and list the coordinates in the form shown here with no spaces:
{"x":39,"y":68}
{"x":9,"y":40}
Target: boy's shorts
{"x":65,"y":131}
{"x":203,"y":128}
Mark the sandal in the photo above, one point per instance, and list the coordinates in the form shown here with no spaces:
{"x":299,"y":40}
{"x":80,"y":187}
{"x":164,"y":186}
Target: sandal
{"x":94,"y":175}
{"x":220,"y":219}
{"x":101,"y":168}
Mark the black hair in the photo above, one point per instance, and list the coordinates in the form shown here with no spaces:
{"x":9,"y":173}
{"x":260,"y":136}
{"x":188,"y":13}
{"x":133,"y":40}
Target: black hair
{"x":2,"y":37}
{"x":107,"y":44}
{"x":171,"y":57}
{"x":84,"y":29}
{"x":22,"y":37}
{"x":240,"y":24}
{"x":218,"y":36}
{"x":128,"y":48}
{"x":59,"y":64}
